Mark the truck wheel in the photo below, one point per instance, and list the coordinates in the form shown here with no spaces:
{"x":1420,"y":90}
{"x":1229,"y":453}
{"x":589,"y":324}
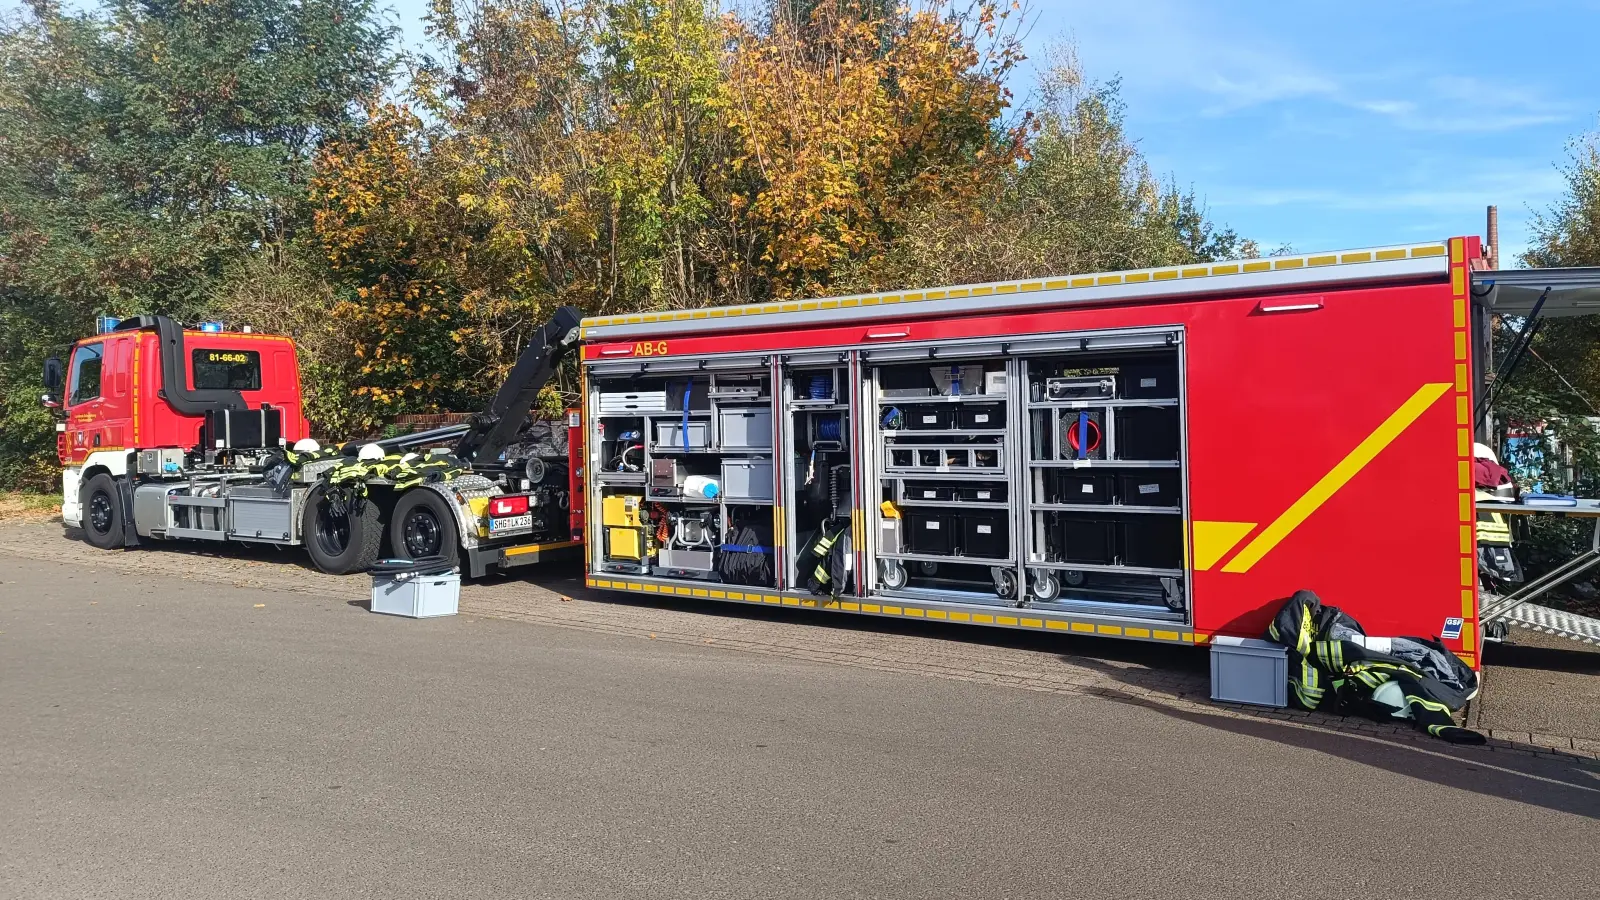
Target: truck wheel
{"x":102,"y":512}
{"x":340,"y":544}
{"x":423,"y":524}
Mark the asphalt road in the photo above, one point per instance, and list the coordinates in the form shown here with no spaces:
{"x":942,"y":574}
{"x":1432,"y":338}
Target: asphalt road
{"x":164,"y":737}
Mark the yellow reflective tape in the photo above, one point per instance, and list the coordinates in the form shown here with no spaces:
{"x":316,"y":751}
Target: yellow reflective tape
{"x":719,"y":595}
{"x":1463,"y":410}
{"x":1032,"y":286}
{"x":739,"y":595}
{"x":1337,"y":477}
{"x":850,"y":302}
{"x":960,"y":617}
{"x":1213,"y":540}
{"x":1006,"y":289}
{"x":912,"y":298}
{"x":891,"y":610}
{"x":891,"y":298}
{"x":1032,"y":623}
{"x":1058,"y":625}
{"x":1136,"y":632}
{"x":850,"y":606}
{"x":1166,"y":635}
{"x":1461,"y":345}
{"x":1458,"y":250}
{"x":1056,"y":285}
{"x":807,"y":601}
{"x":1356,"y":258}
{"x":1188,"y":638}
{"x":830,"y":304}
{"x":1435,"y":250}
{"x":1461,"y":312}
{"x":700,"y":592}
{"x":1322,"y":260}
{"x":1458,"y":281}
{"x":808,"y":307}
{"x":683,"y":591}
{"x":982,"y":291}
{"x":1466,"y":635}
{"x":1288,"y":263}
{"x":1109,"y":279}
{"x":1166,"y":274}
{"x":1200,"y":272}
{"x":1224,"y":270}
{"x":983,"y":618}
{"x":1468,"y":539}
{"x":790,"y":601}
{"x":1082,"y":282}
{"x":1258,"y":266}
{"x":1468,"y":514}
{"x":1082,"y":626}
{"x":936,"y":614}
{"x":1465,"y":475}
{"x":1469,"y":603}
{"x":1386,"y":255}
{"x":935,"y":295}
{"x":912,"y":611}
{"x":1461,"y":376}
{"x":769,"y":598}
{"x":869,"y":607}
{"x":1469,"y":571}
{"x":1108,"y":629}
{"x":1201,"y":638}
{"x":963,"y":292}
{"x":1463,"y":442}
{"x":1006,"y":620}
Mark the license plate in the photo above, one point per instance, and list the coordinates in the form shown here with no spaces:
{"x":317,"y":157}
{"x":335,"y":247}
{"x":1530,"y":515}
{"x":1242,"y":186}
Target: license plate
{"x":510,"y":523}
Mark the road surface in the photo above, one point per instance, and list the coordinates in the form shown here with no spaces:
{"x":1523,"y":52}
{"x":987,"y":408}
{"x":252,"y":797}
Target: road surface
{"x":173,"y":737}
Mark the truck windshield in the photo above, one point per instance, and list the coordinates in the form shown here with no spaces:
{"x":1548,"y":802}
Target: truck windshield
{"x":228,"y":370}
{"x":85,"y":383}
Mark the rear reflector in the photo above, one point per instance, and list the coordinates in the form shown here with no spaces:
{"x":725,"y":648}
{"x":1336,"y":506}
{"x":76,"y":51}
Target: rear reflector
{"x":508,"y":506}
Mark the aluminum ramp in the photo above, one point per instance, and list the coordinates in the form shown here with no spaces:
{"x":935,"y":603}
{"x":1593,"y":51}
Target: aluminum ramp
{"x":1572,"y":626}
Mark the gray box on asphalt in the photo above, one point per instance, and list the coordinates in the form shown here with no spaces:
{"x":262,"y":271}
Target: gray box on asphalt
{"x":419,"y":598}
{"x":1247,"y":670}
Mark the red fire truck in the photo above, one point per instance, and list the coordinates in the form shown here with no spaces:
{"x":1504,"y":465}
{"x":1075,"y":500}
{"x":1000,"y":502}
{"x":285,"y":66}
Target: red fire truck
{"x":1159,"y":454}
{"x":169,"y":433}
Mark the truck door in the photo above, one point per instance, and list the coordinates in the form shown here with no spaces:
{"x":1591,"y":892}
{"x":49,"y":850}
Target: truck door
{"x":85,"y":401}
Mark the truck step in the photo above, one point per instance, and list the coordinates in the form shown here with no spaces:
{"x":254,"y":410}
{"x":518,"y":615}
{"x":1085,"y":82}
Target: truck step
{"x":1554,"y":621}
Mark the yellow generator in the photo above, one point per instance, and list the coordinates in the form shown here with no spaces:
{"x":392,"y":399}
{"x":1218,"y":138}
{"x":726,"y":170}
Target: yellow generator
{"x":625,"y":523}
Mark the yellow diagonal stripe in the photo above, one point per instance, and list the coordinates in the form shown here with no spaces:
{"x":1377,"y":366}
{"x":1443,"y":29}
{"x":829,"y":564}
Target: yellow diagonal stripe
{"x":1337,"y":477}
{"x":1213,"y":540}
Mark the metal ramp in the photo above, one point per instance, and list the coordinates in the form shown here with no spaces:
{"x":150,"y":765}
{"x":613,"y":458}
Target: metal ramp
{"x":1553,"y":621}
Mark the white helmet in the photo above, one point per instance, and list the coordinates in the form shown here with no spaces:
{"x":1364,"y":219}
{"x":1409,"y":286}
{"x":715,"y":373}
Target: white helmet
{"x":306,"y":445}
{"x":369,"y":452}
{"x":1482,"y":451}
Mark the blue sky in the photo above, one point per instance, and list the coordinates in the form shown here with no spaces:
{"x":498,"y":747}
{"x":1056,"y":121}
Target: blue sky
{"x":1334,"y":125}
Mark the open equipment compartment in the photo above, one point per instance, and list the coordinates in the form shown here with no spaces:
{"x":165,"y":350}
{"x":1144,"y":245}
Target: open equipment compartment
{"x":819,"y":475}
{"x":1106,"y":502}
{"x":682,"y":462}
{"x":944,"y":478}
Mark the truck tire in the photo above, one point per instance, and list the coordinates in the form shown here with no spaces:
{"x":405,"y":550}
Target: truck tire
{"x":101,"y":503}
{"x":340,"y":545}
{"x":423,"y":524}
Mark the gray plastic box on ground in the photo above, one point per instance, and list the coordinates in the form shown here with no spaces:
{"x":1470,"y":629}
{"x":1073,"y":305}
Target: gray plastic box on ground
{"x":1247,"y":670}
{"x":418,"y":598}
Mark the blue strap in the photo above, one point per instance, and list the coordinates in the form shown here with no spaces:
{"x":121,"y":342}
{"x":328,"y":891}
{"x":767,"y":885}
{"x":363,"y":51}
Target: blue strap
{"x":1083,"y":434}
{"x":745,"y":548}
{"x":688,"y":388}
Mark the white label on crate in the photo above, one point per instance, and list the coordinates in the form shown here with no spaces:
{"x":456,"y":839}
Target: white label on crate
{"x":985,"y":529}
{"x":1088,"y":489}
{"x":930,"y":420}
{"x":1149,"y":488}
{"x":983,"y":495}
{"x":980,"y":417}
{"x":930,"y":495}
{"x":1147,"y":382}
{"x":1079,"y":463}
{"x":933,"y":524}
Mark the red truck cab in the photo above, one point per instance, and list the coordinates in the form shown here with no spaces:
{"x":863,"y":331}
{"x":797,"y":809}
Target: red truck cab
{"x":115,"y":396}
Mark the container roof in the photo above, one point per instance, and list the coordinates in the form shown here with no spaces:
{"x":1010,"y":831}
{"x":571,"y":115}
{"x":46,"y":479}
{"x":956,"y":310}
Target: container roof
{"x":1288,"y":273}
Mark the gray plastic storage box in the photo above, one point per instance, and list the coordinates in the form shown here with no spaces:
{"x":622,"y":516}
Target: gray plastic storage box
{"x":669,"y":435}
{"x":1247,"y":670}
{"x":421,"y":597}
{"x":747,"y":479}
{"x":745,"y":428}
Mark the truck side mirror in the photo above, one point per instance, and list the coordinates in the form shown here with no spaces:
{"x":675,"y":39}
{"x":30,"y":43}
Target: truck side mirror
{"x":53,"y":375}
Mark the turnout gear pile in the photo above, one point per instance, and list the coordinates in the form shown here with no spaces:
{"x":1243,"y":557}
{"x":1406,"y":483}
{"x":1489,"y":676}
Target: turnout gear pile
{"x":746,"y":558}
{"x":1334,"y":666}
{"x":828,"y":557}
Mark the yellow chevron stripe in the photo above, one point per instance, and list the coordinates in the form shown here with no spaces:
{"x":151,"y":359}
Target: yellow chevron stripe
{"x":1337,"y":477}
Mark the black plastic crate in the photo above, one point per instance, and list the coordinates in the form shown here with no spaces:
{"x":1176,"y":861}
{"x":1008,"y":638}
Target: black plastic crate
{"x":926,"y":491}
{"x":1149,"y":380}
{"x":1081,"y":487}
{"x":982,"y":493}
{"x":934,"y":417}
{"x":1081,"y":540}
{"x":1151,"y":487}
{"x":985,"y":534}
{"x":1147,"y":432}
{"x":981,"y":416}
{"x":928,"y":532}
{"x":1153,"y":541}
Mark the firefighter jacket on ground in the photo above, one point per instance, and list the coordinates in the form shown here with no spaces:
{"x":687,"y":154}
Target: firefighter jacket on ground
{"x":828,"y":558}
{"x":1332,"y":668}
